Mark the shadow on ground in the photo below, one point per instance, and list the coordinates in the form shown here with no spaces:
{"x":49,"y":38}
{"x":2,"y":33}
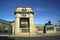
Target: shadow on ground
{"x":31,"y":38}
{"x":6,"y":38}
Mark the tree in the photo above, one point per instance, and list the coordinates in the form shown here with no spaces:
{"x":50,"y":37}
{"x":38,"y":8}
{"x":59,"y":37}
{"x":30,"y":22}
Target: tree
{"x":59,"y":21}
{"x":44,"y":29}
{"x":2,"y":26}
{"x":49,"y":22}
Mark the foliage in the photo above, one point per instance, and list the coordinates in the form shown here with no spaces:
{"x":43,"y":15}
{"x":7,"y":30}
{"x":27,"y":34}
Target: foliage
{"x":4,"y":27}
{"x":49,"y":22}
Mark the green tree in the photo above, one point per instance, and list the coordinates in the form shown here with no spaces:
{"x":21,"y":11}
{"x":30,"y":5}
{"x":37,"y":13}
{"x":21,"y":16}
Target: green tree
{"x":59,"y":23}
{"x":49,"y":22}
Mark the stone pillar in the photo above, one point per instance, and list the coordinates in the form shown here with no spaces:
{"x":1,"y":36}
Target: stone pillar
{"x":17,"y":26}
{"x":12,"y":28}
{"x":32,"y":26}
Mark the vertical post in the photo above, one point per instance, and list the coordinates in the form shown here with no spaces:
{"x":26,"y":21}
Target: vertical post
{"x":17,"y":21}
{"x":13,"y":28}
{"x":32,"y":27}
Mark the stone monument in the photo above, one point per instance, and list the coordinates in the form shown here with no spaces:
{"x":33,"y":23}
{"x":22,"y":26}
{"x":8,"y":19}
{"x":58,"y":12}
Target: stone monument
{"x":24,"y":22}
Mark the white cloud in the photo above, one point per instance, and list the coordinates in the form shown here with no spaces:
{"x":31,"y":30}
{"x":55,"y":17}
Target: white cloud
{"x":38,"y":10}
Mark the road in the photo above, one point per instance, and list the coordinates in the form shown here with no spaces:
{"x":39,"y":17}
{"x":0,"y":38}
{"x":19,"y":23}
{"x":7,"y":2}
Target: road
{"x":32,"y":38}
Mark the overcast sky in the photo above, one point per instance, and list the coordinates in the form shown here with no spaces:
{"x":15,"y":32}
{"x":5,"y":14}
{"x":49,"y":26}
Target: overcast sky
{"x":45,"y":10}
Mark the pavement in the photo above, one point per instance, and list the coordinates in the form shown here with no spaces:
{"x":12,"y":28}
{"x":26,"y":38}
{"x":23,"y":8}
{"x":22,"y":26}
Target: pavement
{"x":53,"y":36}
{"x":31,"y":38}
{"x":38,"y":35}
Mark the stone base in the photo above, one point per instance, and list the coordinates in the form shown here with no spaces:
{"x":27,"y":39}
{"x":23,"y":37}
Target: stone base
{"x":25,"y":34}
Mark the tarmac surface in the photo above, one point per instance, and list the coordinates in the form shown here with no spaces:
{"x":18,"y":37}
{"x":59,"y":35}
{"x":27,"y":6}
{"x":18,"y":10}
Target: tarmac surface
{"x":54,"y":36}
{"x":31,"y":38}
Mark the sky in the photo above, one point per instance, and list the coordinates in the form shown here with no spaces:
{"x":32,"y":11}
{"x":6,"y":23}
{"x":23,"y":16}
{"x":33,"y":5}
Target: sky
{"x":44,"y":10}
